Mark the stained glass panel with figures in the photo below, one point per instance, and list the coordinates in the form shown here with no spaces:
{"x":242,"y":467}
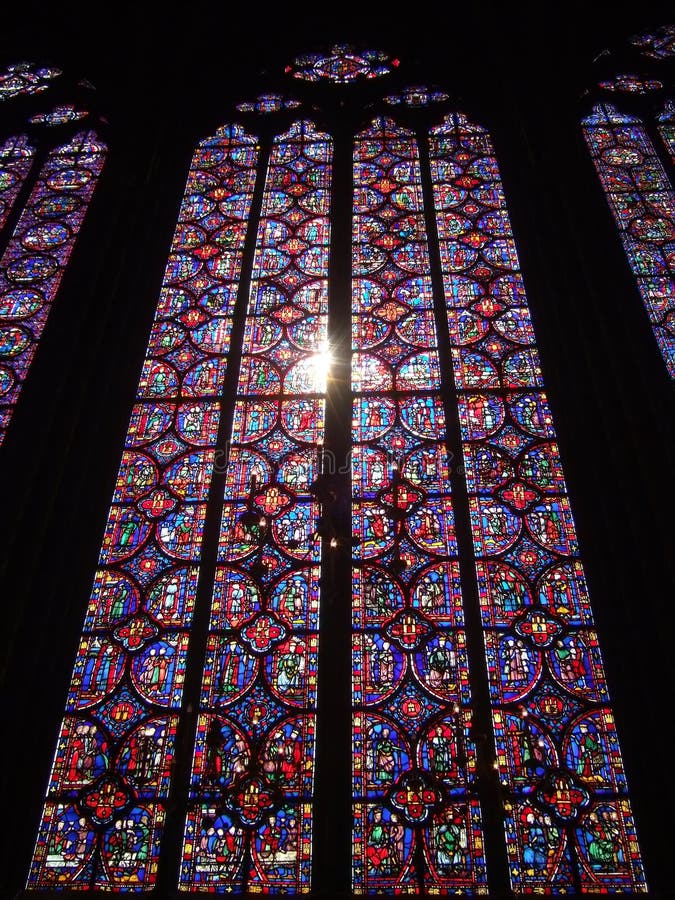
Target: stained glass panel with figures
{"x":104,"y":816}
{"x":417,"y":824}
{"x":568,"y":822}
{"x":33,"y":263}
{"x":249,"y":826}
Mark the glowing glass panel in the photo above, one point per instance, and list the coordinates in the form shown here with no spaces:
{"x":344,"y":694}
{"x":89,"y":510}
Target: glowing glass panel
{"x":16,"y":158}
{"x":643,"y":204}
{"x":568,"y":822}
{"x":666,"y":126}
{"x":25,"y":78}
{"x":659,"y":44}
{"x":631,"y":84}
{"x":249,"y":826}
{"x":59,"y":115}
{"x":418,"y":95}
{"x":104,"y":816}
{"x":342,"y":65}
{"x":416,"y":822}
{"x":36,"y":256}
{"x":268,"y":103}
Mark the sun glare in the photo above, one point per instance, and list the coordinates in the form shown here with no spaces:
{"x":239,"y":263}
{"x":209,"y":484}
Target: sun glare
{"x":320,"y":367}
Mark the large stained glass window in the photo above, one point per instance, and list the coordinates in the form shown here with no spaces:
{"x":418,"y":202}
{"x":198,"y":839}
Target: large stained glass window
{"x":217,"y":542}
{"x":643,"y":204}
{"x":568,"y":821}
{"x":46,"y":185}
{"x":250,"y":821}
{"x":417,"y":826}
{"x":105,"y":809}
{"x":35,"y":258}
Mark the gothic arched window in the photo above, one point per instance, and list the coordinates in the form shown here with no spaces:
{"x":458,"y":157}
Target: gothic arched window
{"x":339,"y":309}
{"x":630,"y":135}
{"x":47,"y":178}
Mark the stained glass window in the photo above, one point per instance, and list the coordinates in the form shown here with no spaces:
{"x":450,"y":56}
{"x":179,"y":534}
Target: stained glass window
{"x":416,"y":824}
{"x":217,"y":538}
{"x":658,"y":44}
{"x":643,"y":204}
{"x":342,"y":64}
{"x":666,"y":126}
{"x":35,"y":258}
{"x":418,"y":95}
{"x":59,"y":115}
{"x":250,"y":819}
{"x":267,"y":103}
{"x":568,"y":821}
{"x":16,"y":159}
{"x":105,"y":810}
{"x":631,"y":84}
{"x":25,"y":78}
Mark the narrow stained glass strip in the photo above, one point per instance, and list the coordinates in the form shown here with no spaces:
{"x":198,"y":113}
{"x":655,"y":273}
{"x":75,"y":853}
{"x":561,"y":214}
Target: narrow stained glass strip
{"x":643,"y":203}
{"x":667,"y":132}
{"x":16,"y":158}
{"x":568,"y":821}
{"x":417,"y":825}
{"x":249,"y":826}
{"x":33,"y":263}
{"x":666,"y":126}
{"x":104,"y":816}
